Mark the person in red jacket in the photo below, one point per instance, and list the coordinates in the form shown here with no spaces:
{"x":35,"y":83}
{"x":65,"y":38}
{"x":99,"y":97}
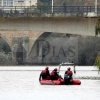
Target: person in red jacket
{"x":54,"y":74}
{"x":45,"y":74}
{"x":42,"y":75}
{"x":68,"y":76}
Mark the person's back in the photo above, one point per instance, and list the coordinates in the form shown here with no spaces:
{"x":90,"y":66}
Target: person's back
{"x":54,"y":74}
{"x":42,"y":75}
{"x":47,"y":72}
{"x":68,"y":75}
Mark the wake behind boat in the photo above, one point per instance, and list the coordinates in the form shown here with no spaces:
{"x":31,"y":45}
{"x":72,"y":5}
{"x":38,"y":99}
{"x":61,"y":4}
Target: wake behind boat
{"x":60,"y":80}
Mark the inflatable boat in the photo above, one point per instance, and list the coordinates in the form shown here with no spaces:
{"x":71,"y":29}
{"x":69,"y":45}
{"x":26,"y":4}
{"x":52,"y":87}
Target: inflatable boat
{"x":59,"y":82}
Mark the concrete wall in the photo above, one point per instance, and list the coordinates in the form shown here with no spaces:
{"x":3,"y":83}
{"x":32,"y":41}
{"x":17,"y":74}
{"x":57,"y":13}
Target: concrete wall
{"x":73,"y":25}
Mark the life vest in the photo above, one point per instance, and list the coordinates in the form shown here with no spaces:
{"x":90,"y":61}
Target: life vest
{"x":68,"y":75}
{"x":52,"y":73}
{"x":69,"y":72}
{"x":44,"y":71}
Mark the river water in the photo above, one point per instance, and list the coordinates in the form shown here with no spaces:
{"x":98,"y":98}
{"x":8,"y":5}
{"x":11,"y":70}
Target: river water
{"x":23,"y":84}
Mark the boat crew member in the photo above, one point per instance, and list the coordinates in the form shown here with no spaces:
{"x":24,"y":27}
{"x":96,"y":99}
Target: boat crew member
{"x":42,"y":75}
{"x":68,"y":76}
{"x":54,"y":74}
{"x":45,"y":74}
